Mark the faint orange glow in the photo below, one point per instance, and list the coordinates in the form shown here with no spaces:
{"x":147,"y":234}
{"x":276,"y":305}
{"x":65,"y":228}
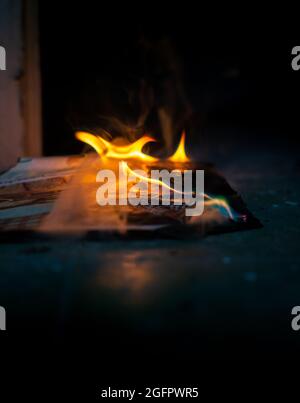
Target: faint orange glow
{"x":120,"y":152}
{"x":127,"y":271}
{"x":180,"y":154}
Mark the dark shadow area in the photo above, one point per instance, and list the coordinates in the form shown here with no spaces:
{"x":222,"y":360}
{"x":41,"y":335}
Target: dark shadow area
{"x":99,"y":63}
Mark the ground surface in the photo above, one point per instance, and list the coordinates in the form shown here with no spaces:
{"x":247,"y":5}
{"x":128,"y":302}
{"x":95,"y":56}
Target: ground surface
{"x":224,"y":295}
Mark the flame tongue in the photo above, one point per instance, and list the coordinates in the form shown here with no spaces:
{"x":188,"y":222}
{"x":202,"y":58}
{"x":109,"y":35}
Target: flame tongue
{"x":130,"y":151}
{"x":119,"y":152}
{"x":180,"y":155}
{"x":93,"y":141}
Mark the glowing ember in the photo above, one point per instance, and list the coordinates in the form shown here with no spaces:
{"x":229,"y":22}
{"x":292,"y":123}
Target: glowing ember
{"x":180,"y":155}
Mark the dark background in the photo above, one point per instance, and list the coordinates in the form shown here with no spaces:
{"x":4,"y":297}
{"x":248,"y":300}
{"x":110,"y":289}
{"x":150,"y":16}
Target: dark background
{"x":236,"y":67}
{"x":224,"y":297}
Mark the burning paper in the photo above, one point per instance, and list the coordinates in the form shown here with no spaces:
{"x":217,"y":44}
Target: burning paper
{"x":121,"y":207}
{"x":59,"y":195}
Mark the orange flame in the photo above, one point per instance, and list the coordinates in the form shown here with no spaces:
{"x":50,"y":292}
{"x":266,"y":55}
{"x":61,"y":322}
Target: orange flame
{"x":134,"y":151}
{"x":110,"y":150}
{"x":180,"y":154}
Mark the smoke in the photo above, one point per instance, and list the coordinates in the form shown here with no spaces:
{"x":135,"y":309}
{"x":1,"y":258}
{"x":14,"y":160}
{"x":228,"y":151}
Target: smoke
{"x":129,"y":102}
{"x":76,"y":210}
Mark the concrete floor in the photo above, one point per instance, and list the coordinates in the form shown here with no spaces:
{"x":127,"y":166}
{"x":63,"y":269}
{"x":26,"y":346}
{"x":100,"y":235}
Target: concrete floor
{"x":228,"y":295}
